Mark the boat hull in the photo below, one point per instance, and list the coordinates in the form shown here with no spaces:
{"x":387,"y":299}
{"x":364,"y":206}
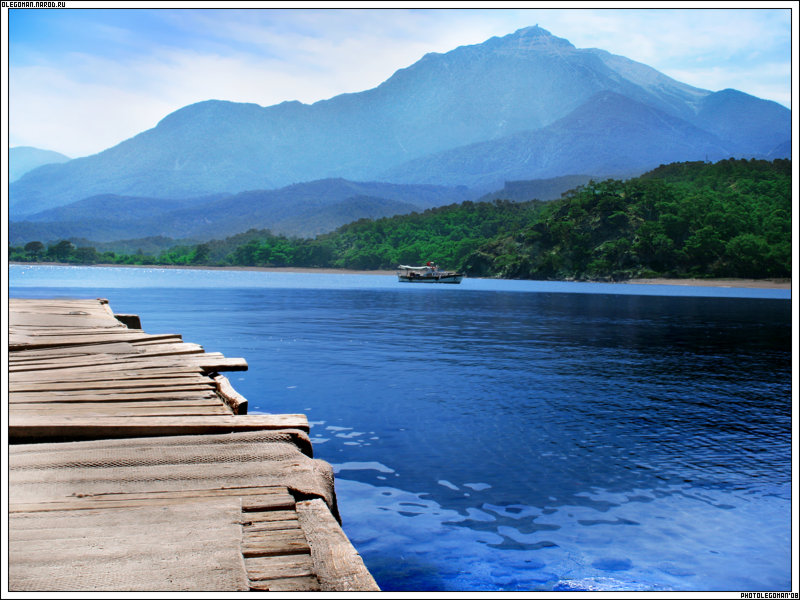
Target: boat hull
{"x":432,"y":279}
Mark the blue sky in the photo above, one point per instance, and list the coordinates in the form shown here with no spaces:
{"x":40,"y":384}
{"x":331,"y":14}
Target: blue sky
{"x":83,"y":79}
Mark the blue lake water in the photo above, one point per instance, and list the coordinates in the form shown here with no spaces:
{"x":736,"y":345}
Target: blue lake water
{"x":511,"y":435}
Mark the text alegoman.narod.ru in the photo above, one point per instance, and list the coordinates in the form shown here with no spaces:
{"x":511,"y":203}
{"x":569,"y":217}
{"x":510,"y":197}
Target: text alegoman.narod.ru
{"x":38,"y":4}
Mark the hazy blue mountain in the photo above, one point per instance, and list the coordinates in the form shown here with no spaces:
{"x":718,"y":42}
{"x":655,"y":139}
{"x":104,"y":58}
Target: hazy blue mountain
{"x":610,"y":135}
{"x":22,"y":159}
{"x":536,"y":189}
{"x":304,"y":209}
{"x":517,"y":90}
{"x":147,"y":245}
{"x":753,"y":125}
{"x":312,"y":219}
{"x":783,"y":150}
{"x":117,"y":209}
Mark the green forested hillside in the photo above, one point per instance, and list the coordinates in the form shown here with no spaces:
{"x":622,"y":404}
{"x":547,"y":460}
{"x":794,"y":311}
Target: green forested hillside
{"x":728,"y":219}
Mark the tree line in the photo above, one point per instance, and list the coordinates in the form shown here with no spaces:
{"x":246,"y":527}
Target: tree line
{"x":692,"y":219}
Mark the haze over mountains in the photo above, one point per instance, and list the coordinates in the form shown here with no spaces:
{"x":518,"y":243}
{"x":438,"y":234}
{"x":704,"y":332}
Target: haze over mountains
{"x":303,"y":210}
{"x":525,"y":106}
{"x":22,"y":159}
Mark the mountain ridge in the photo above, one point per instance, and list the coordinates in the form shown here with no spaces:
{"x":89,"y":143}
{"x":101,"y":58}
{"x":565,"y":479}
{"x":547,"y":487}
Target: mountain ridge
{"x":522,"y":84}
{"x":608,"y":153}
{"x":23,"y":159}
{"x":303,"y":209}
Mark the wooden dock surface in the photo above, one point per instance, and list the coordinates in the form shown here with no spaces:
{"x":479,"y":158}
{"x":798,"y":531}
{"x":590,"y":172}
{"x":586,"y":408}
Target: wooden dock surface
{"x":133,"y":466}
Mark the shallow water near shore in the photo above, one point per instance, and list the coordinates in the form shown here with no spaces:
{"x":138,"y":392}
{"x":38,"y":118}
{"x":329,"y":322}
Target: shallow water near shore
{"x":516,"y":435}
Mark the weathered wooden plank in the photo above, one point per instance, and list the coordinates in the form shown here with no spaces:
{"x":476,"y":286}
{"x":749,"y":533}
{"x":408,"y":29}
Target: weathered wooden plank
{"x":88,"y":375}
{"x":80,"y":358}
{"x":109,"y":332}
{"x":109,"y":403}
{"x":111,"y":336}
{"x":52,"y":320}
{"x":336,"y":562}
{"x":152,"y":342}
{"x":110,"y":369}
{"x":275,"y":498}
{"x":263,"y":568}
{"x":110,"y":384}
{"x":262,"y":503}
{"x":112,"y":409}
{"x":23,"y":342}
{"x":55,"y":406}
{"x":275,"y":543}
{"x":208,"y":362}
{"x":68,"y":397}
{"x":96,"y":388}
{"x":67,"y":303}
{"x":177,"y":357}
{"x":271,"y":525}
{"x":262,"y":518}
{"x":156,"y":349}
{"x":268,"y":531}
{"x":110,"y":504}
{"x":99,"y":395}
{"x":31,"y":428}
{"x":133,"y":393}
{"x":238,"y":491}
{"x":110,"y":380}
{"x":236,"y":402}
{"x":120,"y":353}
{"x":68,"y":351}
{"x":288,"y":584}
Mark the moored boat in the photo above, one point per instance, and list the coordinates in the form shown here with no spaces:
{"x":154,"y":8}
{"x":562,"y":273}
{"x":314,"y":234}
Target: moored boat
{"x":430,"y":273}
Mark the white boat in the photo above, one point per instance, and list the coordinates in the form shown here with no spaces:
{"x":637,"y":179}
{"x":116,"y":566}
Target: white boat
{"x":430,"y":273}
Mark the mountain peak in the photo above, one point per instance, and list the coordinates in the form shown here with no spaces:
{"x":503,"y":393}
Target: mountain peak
{"x":535,"y":38}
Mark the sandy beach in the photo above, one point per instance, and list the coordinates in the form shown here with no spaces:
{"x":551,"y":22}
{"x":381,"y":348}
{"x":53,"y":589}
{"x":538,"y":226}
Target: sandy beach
{"x":783,"y":284}
{"x":773,"y":284}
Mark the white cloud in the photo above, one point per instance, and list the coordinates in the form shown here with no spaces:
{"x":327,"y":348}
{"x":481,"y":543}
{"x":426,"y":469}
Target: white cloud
{"x":764,"y":81}
{"x":51,"y":110}
{"x":82,"y":104}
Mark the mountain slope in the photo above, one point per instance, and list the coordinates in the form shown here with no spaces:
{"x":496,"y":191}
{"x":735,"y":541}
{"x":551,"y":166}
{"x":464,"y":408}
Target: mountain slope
{"x":22,"y":159}
{"x":305,"y":209}
{"x":120,"y":209}
{"x":754,"y":125}
{"x":539,"y":189}
{"x":610,"y":135}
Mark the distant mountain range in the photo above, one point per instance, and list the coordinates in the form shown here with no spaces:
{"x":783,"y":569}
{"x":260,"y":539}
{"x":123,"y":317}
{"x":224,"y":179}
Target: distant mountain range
{"x":539,"y":189}
{"x":22,"y":159}
{"x":525,"y":106}
{"x":302,"y":210}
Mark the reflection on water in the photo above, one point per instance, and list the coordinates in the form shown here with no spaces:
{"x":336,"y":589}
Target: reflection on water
{"x":487,"y":439}
{"x":643,"y":540}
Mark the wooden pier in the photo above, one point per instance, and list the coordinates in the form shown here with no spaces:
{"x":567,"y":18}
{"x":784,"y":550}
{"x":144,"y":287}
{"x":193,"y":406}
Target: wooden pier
{"x":133,"y":466}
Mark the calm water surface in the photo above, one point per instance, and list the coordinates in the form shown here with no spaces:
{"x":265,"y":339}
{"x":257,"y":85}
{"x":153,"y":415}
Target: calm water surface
{"x":503,"y":435}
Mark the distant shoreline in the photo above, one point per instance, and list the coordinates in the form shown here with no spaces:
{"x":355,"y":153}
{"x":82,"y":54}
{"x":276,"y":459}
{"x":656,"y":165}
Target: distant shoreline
{"x":213,"y":268}
{"x":783,"y":284}
{"x":773,"y":284}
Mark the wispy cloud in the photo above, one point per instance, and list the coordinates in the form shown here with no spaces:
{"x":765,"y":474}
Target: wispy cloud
{"x":81,"y":81}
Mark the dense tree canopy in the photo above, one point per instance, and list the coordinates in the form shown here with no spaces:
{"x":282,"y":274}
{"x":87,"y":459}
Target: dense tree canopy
{"x":730,"y":219}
